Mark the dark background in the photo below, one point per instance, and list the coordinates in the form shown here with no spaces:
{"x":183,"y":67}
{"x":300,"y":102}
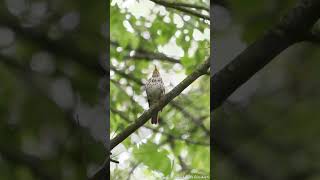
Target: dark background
{"x":53,"y":89}
{"x":269,"y":127}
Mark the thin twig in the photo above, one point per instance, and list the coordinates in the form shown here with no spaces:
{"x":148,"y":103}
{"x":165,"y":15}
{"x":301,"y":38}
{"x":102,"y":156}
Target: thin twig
{"x":145,"y":54}
{"x":132,"y":170}
{"x":195,"y":6}
{"x":182,"y":9}
{"x":114,"y":161}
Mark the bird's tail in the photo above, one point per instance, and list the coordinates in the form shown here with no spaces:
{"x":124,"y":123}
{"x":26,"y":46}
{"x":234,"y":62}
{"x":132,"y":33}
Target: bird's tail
{"x":154,"y":119}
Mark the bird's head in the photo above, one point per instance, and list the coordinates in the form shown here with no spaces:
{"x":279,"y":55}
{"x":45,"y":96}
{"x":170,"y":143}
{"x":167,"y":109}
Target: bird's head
{"x":155,"y":72}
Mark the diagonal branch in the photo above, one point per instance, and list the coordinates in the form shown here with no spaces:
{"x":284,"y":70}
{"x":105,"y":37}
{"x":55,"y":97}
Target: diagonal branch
{"x":291,"y":29}
{"x":175,"y":137}
{"x":180,"y":8}
{"x":201,"y":70}
{"x":174,"y":104}
{"x":163,"y":102}
{"x":195,"y":120}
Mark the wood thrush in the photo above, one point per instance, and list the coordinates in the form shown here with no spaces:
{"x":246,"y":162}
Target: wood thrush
{"x":155,"y":90}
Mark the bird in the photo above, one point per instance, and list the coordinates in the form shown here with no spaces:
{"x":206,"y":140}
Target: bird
{"x":155,"y":91}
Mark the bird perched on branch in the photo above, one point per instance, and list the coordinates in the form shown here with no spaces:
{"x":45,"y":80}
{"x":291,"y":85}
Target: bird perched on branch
{"x":155,"y":90}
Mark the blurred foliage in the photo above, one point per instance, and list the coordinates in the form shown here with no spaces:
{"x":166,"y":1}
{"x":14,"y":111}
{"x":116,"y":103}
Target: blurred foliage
{"x":258,"y":16}
{"x":268,"y":129}
{"x":140,"y":31}
{"x":53,"y":120}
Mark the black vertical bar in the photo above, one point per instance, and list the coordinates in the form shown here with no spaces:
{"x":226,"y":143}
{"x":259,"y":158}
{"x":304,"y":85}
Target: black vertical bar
{"x":108,"y":87}
{"x":211,"y":89}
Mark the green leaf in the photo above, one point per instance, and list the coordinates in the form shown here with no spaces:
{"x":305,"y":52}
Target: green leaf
{"x":150,"y":155}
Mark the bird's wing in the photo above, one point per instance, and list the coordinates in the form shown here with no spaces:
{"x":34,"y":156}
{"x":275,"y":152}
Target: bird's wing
{"x":163,"y":90}
{"x":148,"y":102}
{"x":146,"y":89}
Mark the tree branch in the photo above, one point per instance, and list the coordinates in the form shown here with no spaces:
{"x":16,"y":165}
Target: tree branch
{"x":114,"y":161}
{"x":183,"y":9}
{"x":163,"y":102}
{"x":195,"y":6}
{"x":138,"y":82}
{"x":177,"y":137}
{"x":174,"y":104}
{"x":291,"y":29}
{"x":201,"y":70}
{"x":151,"y":56}
{"x":144,"y":54}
